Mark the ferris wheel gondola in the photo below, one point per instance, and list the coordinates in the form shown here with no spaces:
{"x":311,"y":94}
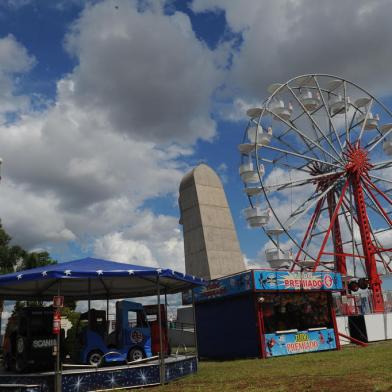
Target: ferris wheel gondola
{"x":316,"y":151}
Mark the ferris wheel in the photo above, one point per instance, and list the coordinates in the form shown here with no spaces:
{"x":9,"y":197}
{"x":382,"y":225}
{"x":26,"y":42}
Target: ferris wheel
{"x":317,"y":168}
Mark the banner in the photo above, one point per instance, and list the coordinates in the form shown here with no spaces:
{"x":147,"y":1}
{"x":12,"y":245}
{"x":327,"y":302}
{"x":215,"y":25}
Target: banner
{"x":285,"y":280}
{"x":264,"y":280}
{"x":277,"y":344}
{"x":222,"y":287}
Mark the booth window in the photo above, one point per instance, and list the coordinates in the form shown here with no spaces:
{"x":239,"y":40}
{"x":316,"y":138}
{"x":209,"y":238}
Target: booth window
{"x":301,"y":311}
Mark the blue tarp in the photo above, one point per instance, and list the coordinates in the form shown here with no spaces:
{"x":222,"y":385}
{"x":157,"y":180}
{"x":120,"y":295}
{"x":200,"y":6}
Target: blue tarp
{"x":93,"y":278}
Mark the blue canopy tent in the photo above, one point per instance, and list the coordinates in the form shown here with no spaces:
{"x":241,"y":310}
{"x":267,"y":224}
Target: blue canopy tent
{"x":91,"y":278}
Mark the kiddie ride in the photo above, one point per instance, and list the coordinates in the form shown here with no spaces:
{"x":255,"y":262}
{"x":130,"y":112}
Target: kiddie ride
{"x":135,"y":335}
{"x":30,"y":336}
{"x":134,"y":332}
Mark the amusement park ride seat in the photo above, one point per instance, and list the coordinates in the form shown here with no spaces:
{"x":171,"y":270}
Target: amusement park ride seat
{"x":281,"y":110}
{"x":337,"y":104}
{"x":371,"y":121}
{"x":275,"y":256}
{"x":263,"y":137}
{"x":310,"y":100}
{"x":256,"y":216}
{"x":278,"y":258}
{"x":307,"y":263}
{"x":386,"y":130}
{"x":248,"y":174}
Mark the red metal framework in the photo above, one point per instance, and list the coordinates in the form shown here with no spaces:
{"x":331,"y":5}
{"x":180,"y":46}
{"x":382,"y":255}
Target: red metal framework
{"x":340,"y":258}
{"x":357,"y":168}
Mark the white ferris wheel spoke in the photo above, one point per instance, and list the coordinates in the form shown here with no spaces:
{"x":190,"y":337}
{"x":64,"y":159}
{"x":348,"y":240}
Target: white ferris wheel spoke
{"x":379,"y":140}
{"x":380,"y":179}
{"x":295,"y":183}
{"x":315,"y":124}
{"x":345,"y":113}
{"x":282,"y":164}
{"x":304,"y":137}
{"x":292,"y":148}
{"x":300,"y":156}
{"x":382,"y":165}
{"x":301,"y":210}
{"x":328,"y":113}
{"x":365,"y":119}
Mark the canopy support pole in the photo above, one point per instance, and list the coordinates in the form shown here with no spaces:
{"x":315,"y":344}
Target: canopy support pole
{"x":107,"y":315}
{"x":58,"y":382}
{"x":89,"y":302}
{"x":166,"y":326}
{"x":161,"y":354}
{"x":194,"y":326}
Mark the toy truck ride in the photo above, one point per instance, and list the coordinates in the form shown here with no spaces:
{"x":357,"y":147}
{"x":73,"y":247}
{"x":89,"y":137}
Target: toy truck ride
{"x":28,"y":339}
{"x":132,"y":338}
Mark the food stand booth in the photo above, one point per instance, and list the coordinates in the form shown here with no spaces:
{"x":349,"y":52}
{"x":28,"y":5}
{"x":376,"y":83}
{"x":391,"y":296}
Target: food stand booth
{"x":261,"y":313}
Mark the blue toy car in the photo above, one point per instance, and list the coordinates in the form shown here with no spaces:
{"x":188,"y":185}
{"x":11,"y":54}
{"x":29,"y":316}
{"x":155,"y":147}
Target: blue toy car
{"x":130,"y":340}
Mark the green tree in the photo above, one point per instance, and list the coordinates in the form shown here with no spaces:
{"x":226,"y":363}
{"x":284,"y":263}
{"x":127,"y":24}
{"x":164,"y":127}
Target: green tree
{"x":10,"y":255}
{"x":15,"y":258}
{"x":35,"y":259}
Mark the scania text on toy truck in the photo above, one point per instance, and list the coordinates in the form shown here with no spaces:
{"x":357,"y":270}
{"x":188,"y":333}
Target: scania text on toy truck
{"x":28,"y":340}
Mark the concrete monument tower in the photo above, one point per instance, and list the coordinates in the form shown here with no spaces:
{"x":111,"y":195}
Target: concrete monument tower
{"x":210,"y":240}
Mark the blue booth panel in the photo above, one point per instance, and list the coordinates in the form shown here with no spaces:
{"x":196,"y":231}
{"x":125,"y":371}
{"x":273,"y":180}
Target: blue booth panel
{"x":227,"y":328}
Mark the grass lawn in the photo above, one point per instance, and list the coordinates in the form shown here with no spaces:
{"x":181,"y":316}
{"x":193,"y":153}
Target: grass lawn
{"x":353,"y":369}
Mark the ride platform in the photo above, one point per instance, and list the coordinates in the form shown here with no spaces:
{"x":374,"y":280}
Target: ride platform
{"x":102,"y":378}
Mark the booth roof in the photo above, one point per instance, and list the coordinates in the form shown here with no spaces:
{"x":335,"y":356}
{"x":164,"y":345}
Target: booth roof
{"x":94,"y":279}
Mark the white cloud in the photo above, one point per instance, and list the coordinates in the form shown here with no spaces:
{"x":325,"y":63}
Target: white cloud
{"x":115,"y":246}
{"x":146,"y":71}
{"x":151,"y":240}
{"x":115,"y":136}
{"x":14,"y":60}
{"x":285,"y":38}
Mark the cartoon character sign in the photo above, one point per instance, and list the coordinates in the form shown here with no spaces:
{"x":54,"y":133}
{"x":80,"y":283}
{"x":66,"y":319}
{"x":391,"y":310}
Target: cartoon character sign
{"x":321,"y":338}
{"x":299,"y":342}
{"x":270,"y":344}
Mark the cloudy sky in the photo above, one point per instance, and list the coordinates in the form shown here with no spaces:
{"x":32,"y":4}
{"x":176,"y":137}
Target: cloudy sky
{"x":104,"y":105}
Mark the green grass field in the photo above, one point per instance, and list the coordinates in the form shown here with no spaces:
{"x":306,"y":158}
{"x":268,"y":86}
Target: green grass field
{"x":353,"y":369}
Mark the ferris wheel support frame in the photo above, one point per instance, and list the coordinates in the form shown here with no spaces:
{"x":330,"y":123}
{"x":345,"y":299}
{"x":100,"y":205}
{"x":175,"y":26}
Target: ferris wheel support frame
{"x":357,"y":178}
{"x":340,"y":259}
{"x":331,"y":224}
{"x":308,"y":231}
{"x":369,"y":250}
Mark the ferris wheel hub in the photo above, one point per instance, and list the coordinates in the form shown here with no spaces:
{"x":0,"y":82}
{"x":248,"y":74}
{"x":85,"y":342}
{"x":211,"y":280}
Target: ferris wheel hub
{"x":358,"y":161}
